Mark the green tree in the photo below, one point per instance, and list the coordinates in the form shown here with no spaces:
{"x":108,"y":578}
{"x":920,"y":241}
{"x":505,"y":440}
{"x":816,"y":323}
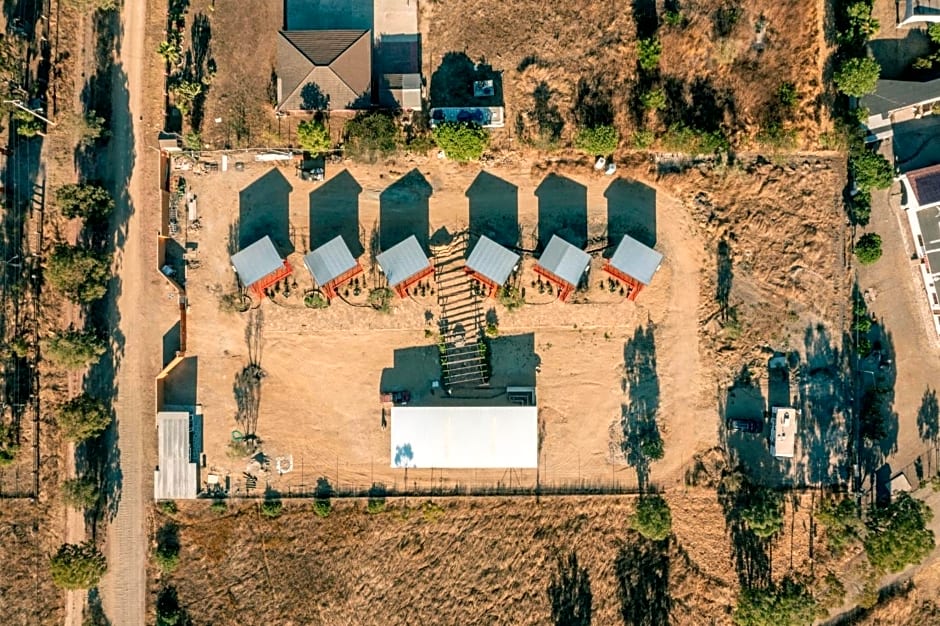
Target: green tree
{"x":788,"y":603}
{"x":77,"y":566}
{"x":462,"y":141}
{"x":8,"y":445}
{"x":870,"y":170}
{"x":372,"y":135}
{"x":652,"y":518}
{"x":860,"y":207}
{"x":857,"y":76}
{"x":654,"y":99}
{"x":27,"y":124}
{"x":74,"y":349}
{"x":80,"y":273}
{"x":762,"y":510}
{"x":84,"y":200}
{"x":80,"y":493}
{"x":897,"y":534}
{"x":861,"y":25}
{"x":169,"y":52}
{"x":868,"y":248}
{"x":840,"y":518}
{"x":185,"y":93}
{"x":648,"y":52}
{"x":167,"y":551}
{"x":83,"y":417}
{"x":600,"y":140}
{"x":271,"y":508}
{"x":313,"y":137}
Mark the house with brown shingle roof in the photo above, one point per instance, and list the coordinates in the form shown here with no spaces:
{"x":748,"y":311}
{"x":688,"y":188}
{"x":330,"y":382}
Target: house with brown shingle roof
{"x":324,"y":70}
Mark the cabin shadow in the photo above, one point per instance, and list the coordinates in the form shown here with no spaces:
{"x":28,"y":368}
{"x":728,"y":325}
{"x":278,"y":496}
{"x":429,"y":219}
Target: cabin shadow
{"x":403,"y":211}
{"x":494,"y":210}
{"x":562,"y":211}
{"x":642,"y":572}
{"x":631,"y":210}
{"x":452,"y":83}
{"x":181,"y":384}
{"x":264,"y":209}
{"x":171,"y":343}
{"x":334,"y":210}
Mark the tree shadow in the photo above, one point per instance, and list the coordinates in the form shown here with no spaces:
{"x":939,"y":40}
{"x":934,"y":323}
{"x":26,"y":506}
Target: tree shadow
{"x":569,"y":593}
{"x":334,"y":210}
{"x":494,"y":210}
{"x":404,"y":211}
{"x":312,"y":98}
{"x":247,"y":385}
{"x":94,"y":611}
{"x":594,"y":102}
{"x":642,"y":572}
{"x":724,"y":279}
{"x":264,"y":209}
{"x":928,"y":417}
{"x":645,"y":18}
{"x":750,"y":451}
{"x":750,"y":552}
{"x":452,"y":83}
{"x":168,"y":608}
{"x":548,"y":118}
{"x":642,"y":442}
{"x":631,"y":210}
{"x":562,"y":211}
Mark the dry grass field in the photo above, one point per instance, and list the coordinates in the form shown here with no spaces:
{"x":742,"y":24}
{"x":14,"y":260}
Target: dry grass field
{"x":470,"y":560}
{"x":27,"y":534}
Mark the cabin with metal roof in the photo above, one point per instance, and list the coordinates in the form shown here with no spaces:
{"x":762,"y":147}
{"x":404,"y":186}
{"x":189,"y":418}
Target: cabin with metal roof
{"x":633,"y":264}
{"x":404,"y":264}
{"x":177,"y":475}
{"x":331,"y":265}
{"x":491,"y":263}
{"x":259,"y":266}
{"x":564,"y":265}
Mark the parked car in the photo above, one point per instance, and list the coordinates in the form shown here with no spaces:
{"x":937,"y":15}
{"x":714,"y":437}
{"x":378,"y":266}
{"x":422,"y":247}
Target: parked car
{"x":746,"y":426}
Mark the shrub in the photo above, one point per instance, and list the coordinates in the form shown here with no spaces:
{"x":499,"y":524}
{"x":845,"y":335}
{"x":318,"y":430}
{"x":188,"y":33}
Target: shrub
{"x":868,"y":248}
{"x":27,"y":124}
{"x":371,"y":135}
{"x":8,"y":445}
{"x":77,"y":566}
{"x":870,"y":170}
{"x":272,"y":508}
{"x":652,"y":518}
{"x":83,"y":417}
{"x":316,"y":300}
{"x":857,"y":76}
{"x":654,"y":99}
{"x":898,"y":535}
{"x":860,"y":207}
{"x":381,"y":299}
{"x":167,"y":551}
{"x":313,"y":137}
{"x":681,"y":138}
{"x":461,"y":141}
{"x":80,"y":493}
{"x":74,"y":349}
{"x":86,"y":201}
{"x":643,"y":139}
{"x":432,"y":512}
{"x":600,"y":140}
{"x":786,"y":603}
{"x":376,"y":505}
{"x":787,"y":96}
{"x":861,"y":25}
{"x":80,"y":273}
{"x":322,"y":507}
{"x":674,"y":18}
{"x":648,"y":52}
{"x":168,"y":507}
{"x":510,"y":297}
{"x":762,"y":511}
{"x":218,"y":506}
{"x":841,"y":520}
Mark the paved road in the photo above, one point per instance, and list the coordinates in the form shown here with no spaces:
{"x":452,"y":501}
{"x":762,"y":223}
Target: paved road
{"x":124,"y":587}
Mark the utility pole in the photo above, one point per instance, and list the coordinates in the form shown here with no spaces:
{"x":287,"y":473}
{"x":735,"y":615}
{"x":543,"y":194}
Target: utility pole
{"x":20,"y":106}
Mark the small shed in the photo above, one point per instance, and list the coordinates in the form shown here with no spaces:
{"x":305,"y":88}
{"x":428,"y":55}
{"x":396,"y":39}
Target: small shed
{"x":404,"y":264}
{"x":259,"y":265}
{"x":633,"y":264}
{"x":176,"y":476}
{"x":169,"y":142}
{"x":563,"y":264}
{"x":331,"y":265}
{"x":491,"y":263}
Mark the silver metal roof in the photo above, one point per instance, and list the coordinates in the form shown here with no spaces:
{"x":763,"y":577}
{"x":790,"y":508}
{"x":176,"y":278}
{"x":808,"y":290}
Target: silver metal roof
{"x":565,"y":260}
{"x":256,"y":261}
{"x":402,"y":261}
{"x":636,"y":260}
{"x":492,"y":260}
{"x":330,"y":261}
{"x":176,"y":477}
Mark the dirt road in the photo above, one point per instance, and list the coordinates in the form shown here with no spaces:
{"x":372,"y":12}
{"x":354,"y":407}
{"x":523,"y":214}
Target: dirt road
{"x":123,"y":588}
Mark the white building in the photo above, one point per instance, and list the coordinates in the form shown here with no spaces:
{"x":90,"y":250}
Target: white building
{"x":896,"y":101}
{"x":783,"y":429}
{"x":922,"y":191}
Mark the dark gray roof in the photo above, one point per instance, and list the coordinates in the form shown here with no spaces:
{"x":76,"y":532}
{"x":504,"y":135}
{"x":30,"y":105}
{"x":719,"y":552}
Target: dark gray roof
{"x":891,"y":95}
{"x":492,"y":260}
{"x":402,"y":261}
{"x":176,"y":477}
{"x":929,"y":222}
{"x":926,"y":184}
{"x":338,"y":62}
{"x":256,"y":261}
{"x":329,"y":261}
{"x":564,"y":260}
{"x":634,"y":259}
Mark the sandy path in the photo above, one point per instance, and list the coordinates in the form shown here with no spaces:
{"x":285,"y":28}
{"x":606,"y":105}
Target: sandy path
{"x":123,"y":588}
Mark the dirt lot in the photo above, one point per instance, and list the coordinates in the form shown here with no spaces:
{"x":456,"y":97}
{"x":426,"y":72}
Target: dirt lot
{"x":26,"y":589}
{"x":479,"y":561}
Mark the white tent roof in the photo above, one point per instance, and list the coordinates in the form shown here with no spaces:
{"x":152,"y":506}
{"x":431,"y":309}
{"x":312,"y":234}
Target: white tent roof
{"x":465,"y":437}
